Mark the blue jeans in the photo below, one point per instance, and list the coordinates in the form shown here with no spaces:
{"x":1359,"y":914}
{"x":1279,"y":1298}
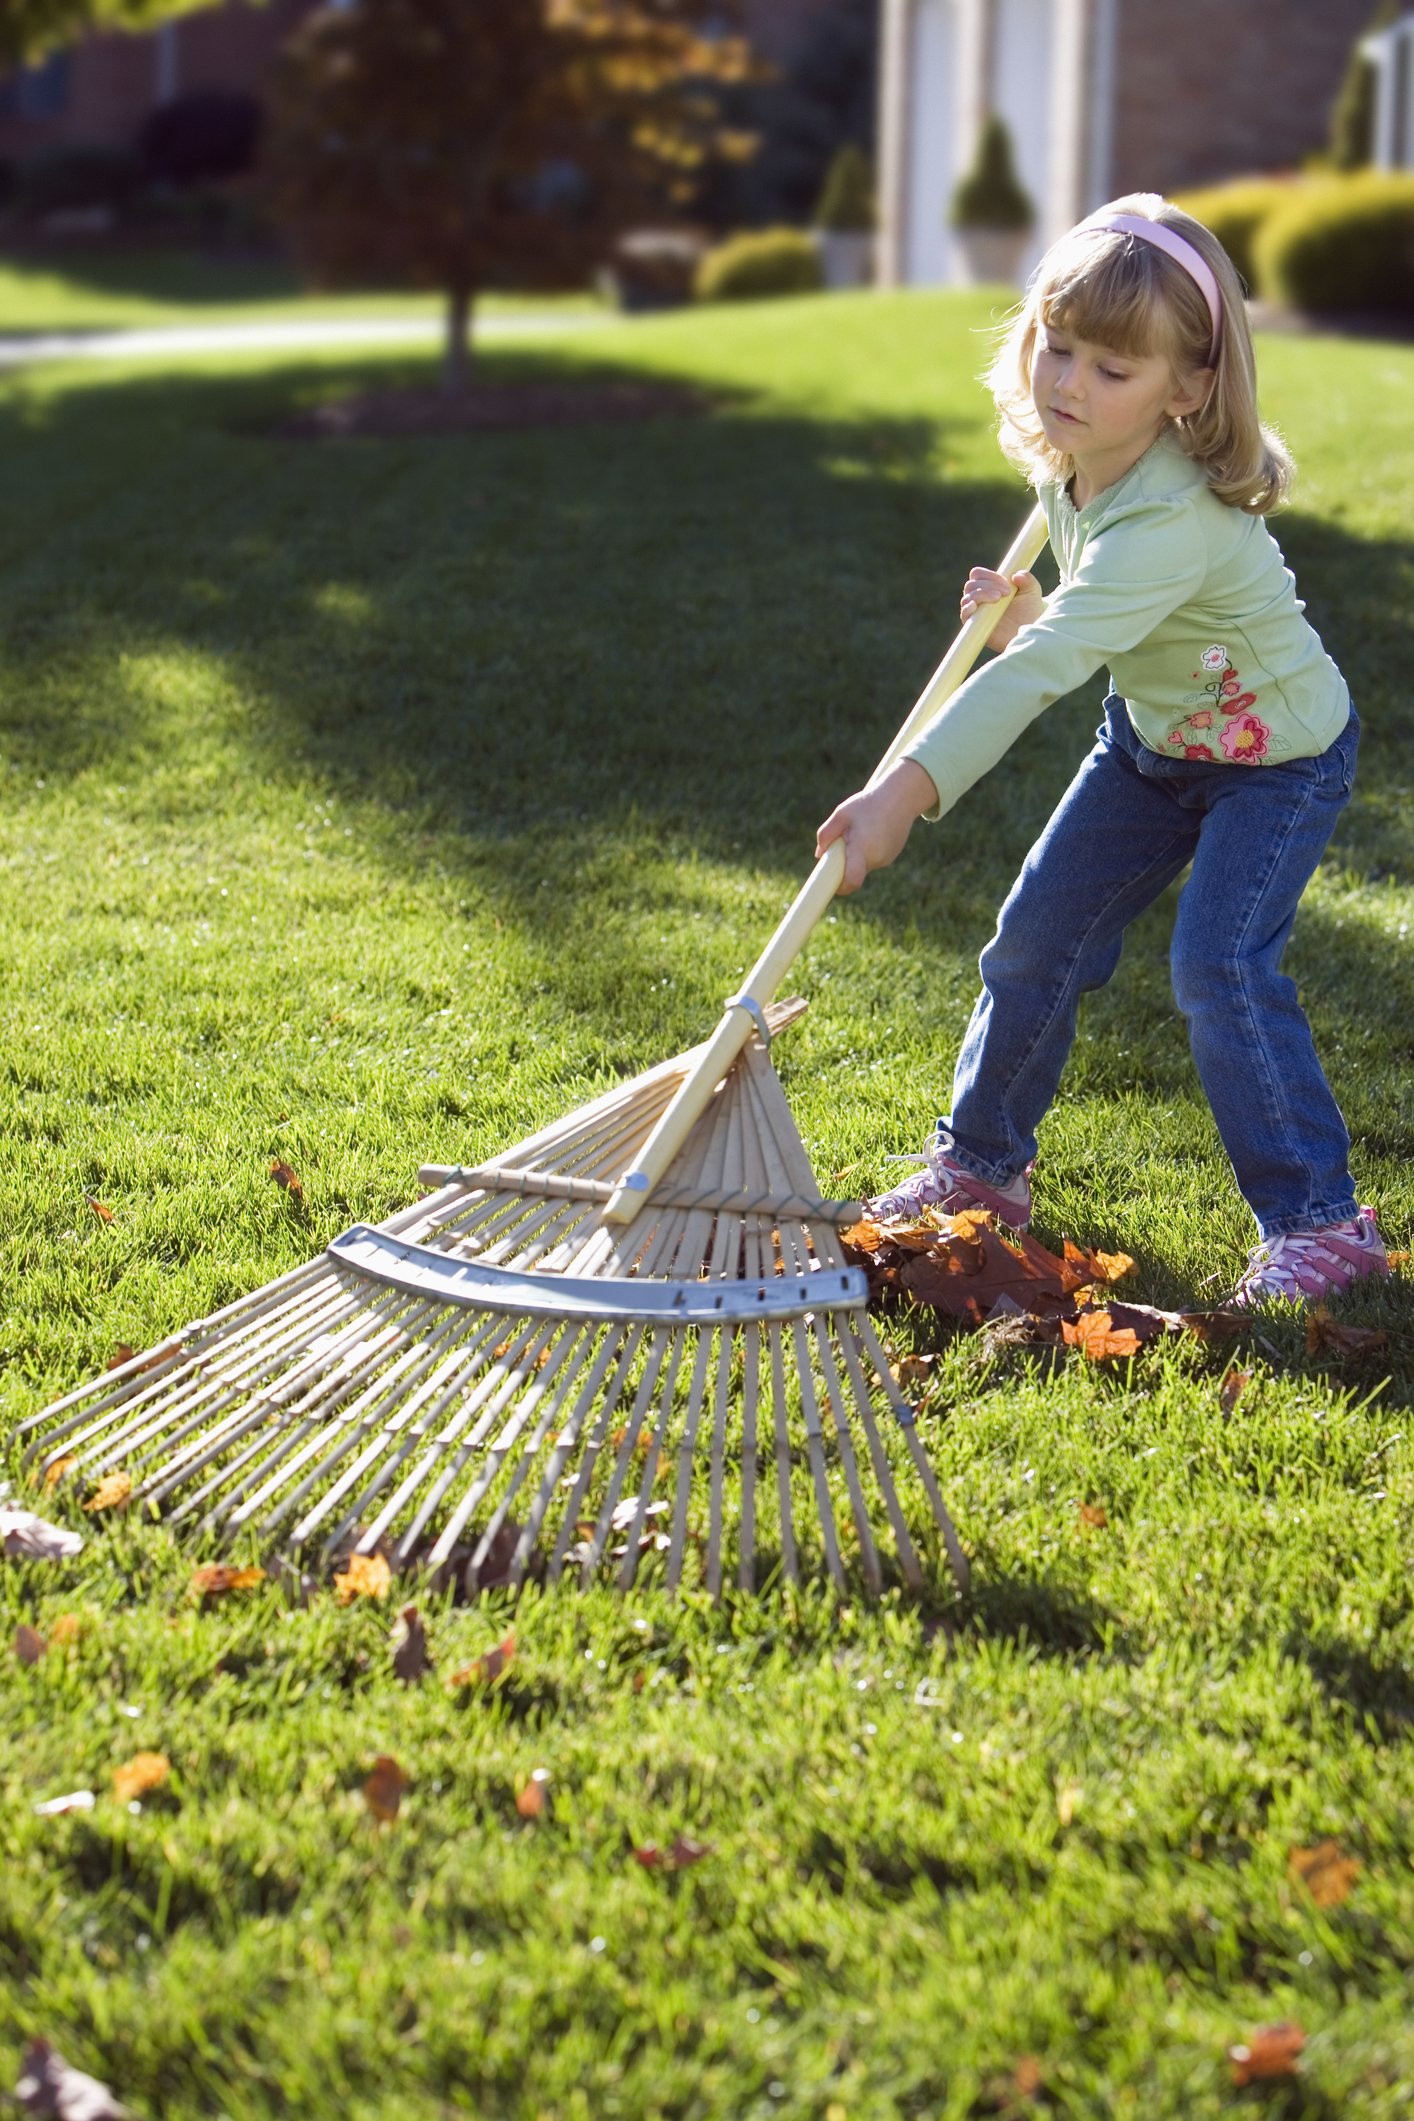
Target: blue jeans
{"x":1129,"y":823}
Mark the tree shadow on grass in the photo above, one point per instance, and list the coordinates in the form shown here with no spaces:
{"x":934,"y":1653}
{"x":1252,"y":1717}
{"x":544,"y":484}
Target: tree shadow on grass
{"x":1377,"y":1698}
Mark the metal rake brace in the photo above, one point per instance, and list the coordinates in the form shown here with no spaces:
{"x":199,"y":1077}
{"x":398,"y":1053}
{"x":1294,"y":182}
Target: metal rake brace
{"x":551,"y":1366}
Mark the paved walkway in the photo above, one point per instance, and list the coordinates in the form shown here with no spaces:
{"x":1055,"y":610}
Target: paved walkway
{"x":163,"y":342}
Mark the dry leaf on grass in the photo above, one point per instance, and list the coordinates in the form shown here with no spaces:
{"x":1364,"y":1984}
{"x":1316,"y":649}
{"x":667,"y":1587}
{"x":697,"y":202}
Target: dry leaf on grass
{"x":1094,"y":1516}
{"x":136,"y":1777}
{"x":407,"y":1639}
{"x":1028,"y":2079}
{"x":218,"y":1579}
{"x":533,"y":1801}
{"x":54,"y":1473}
{"x":52,"y":2089}
{"x":22,"y":1534}
{"x":1270,"y":2051}
{"x":100,"y":1209}
{"x":65,"y":1631}
{"x":30,"y":1645}
{"x":112,"y":1492}
{"x":484,"y":1670}
{"x":367,"y":1576}
{"x":683,"y":1852}
{"x":1326,"y":1336}
{"x":1098,"y":1338}
{"x":1234,"y":1384}
{"x":1327,"y":1873}
{"x":383,"y":1791}
{"x":285,"y":1177}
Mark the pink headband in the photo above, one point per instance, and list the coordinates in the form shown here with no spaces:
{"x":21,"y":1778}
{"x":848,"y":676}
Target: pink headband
{"x":1176,"y":247}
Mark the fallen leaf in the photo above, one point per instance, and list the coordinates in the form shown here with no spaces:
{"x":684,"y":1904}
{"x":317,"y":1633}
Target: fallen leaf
{"x":53,"y":1474}
{"x":1028,"y":2078}
{"x":1397,"y":1261}
{"x":75,"y":1801}
{"x":1094,"y":1516}
{"x":533,"y":1801}
{"x":408,"y":1642}
{"x":65,"y":1631}
{"x":144,"y":1772}
{"x":1326,"y":1336}
{"x":53,"y":2089}
{"x":684,"y":1851}
{"x":217,"y":1579}
{"x":482,"y":1671}
{"x":121,"y":1354}
{"x":1098,"y":1338}
{"x":104,"y":1213}
{"x":1270,"y":2051}
{"x":1234,"y":1384}
{"x":367,"y":1576}
{"x":30,"y":1645}
{"x":111,"y":1493}
{"x":284,"y":1176}
{"x":21,"y":1532}
{"x":912,"y":1372}
{"x":1327,"y":1873}
{"x":383,"y":1791}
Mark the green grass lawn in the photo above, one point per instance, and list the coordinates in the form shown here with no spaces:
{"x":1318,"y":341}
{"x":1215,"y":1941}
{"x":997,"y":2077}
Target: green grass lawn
{"x":44,"y":291}
{"x":372,"y":802}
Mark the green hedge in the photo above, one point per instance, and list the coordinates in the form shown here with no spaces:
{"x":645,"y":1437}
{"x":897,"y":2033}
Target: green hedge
{"x":1345,"y":245}
{"x":1236,"y":212}
{"x":777,"y":261}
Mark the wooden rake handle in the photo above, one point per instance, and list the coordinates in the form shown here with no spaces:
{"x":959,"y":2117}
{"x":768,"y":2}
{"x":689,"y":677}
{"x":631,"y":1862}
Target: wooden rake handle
{"x":805,"y":913}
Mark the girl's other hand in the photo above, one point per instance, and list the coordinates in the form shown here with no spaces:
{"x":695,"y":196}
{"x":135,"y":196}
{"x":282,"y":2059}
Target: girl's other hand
{"x":985,"y":586}
{"x":875,"y":824}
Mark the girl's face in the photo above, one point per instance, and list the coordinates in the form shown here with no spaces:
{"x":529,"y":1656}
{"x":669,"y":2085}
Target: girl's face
{"x":1101,"y":408}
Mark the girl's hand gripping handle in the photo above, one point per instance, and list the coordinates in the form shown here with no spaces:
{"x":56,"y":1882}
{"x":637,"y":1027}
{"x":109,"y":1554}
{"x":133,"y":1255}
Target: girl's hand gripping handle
{"x":743,"y":1011}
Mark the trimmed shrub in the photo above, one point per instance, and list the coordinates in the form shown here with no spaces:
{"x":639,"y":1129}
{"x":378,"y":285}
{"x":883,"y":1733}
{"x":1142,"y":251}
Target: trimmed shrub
{"x":776,"y":261}
{"x":1235,"y":212}
{"x":991,"y":195}
{"x":75,"y":179}
{"x":847,"y":202}
{"x":194,"y":139}
{"x":1343,"y":247}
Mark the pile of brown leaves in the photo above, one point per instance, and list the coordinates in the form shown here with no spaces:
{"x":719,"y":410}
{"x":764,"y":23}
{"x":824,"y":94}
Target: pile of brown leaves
{"x":973,"y":1269}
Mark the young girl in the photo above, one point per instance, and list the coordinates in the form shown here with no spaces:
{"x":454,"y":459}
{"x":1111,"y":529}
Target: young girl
{"x":1127,"y":393}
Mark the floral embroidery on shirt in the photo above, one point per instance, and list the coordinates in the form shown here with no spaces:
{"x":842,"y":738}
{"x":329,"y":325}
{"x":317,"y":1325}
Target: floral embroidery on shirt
{"x":1202,"y":720}
{"x":1213,"y":658}
{"x":1244,"y":740}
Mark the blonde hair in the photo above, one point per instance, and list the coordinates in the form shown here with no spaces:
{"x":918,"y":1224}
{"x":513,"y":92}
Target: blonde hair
{"x":1124,"y":293}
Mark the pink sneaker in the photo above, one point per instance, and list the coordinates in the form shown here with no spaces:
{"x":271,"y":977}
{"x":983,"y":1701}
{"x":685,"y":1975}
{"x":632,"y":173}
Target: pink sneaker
{"x":943,"y":1184}
{"x":1312,"y":1264}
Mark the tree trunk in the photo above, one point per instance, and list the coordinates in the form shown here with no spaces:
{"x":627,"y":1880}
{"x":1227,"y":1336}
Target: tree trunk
{"x":456,"y":363}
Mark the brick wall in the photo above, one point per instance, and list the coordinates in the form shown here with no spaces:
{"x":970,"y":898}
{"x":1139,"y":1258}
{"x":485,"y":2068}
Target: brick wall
{"x":1218,"y":88}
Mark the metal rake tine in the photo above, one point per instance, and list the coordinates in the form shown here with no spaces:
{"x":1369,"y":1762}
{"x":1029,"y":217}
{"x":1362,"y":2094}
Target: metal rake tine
{"x":907,"y":1552}
{"x":814,"y":1445}
{"x":517,"y":1370}
{"x":778,"y":1389}
{"x":834,"y":1399}
{"x":550,"y":1414}
{"x":878,"y":1361}
{"x":665,"y":1354}
{"x":751,"y":1385}
{"x":621,"y":1353}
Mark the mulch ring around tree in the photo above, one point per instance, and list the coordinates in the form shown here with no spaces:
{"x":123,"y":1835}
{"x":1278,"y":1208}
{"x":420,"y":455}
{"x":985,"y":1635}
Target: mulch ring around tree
{"x":492,"y":405}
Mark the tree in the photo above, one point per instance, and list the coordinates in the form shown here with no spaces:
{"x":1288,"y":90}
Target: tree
{"x":472,"y":144}
{"x":30,"y":28}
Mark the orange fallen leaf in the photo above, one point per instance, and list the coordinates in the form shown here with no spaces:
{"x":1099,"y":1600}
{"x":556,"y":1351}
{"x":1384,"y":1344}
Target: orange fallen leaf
{"x":383,"y":1791}
{"x":30,"y":1645}
{"x":66,"y":1630}
{"x":111,"y":1493}
{"x":1270,"y":2051}
{"x":104,"y":1213}
{"x":483,"y":1670}
{"x":55,"y":1473}
{"x":1327,"y":1873}
{"x":367,"y":1576}
{"x":1234,"y":1384}
{"x":1098,"y":1338}
{"x":121,"y":1354}
{"x":684,"y":1851}
{"x":217,"y":1579}
{"x":1094,"y":1516}
{"x":1028,"y":2078}
{"x":533,"y":1801}
{"x":1326,"y":1336}
{"x":912,"y":1372}
{"x":284,"y":1176}
{"x":144,"y":1772}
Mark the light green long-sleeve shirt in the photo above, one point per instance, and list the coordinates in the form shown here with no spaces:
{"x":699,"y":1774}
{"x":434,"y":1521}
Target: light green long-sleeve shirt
{"x":1194,"y":610}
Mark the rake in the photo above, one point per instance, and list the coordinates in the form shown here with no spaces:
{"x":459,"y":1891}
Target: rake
{"x":634,"y":1334}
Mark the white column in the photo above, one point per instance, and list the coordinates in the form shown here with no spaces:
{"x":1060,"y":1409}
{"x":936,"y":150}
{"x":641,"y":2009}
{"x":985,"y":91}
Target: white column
{"x":1069,"y":121}
{"x":892,"y":181}
{"x":1104,"y":37}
